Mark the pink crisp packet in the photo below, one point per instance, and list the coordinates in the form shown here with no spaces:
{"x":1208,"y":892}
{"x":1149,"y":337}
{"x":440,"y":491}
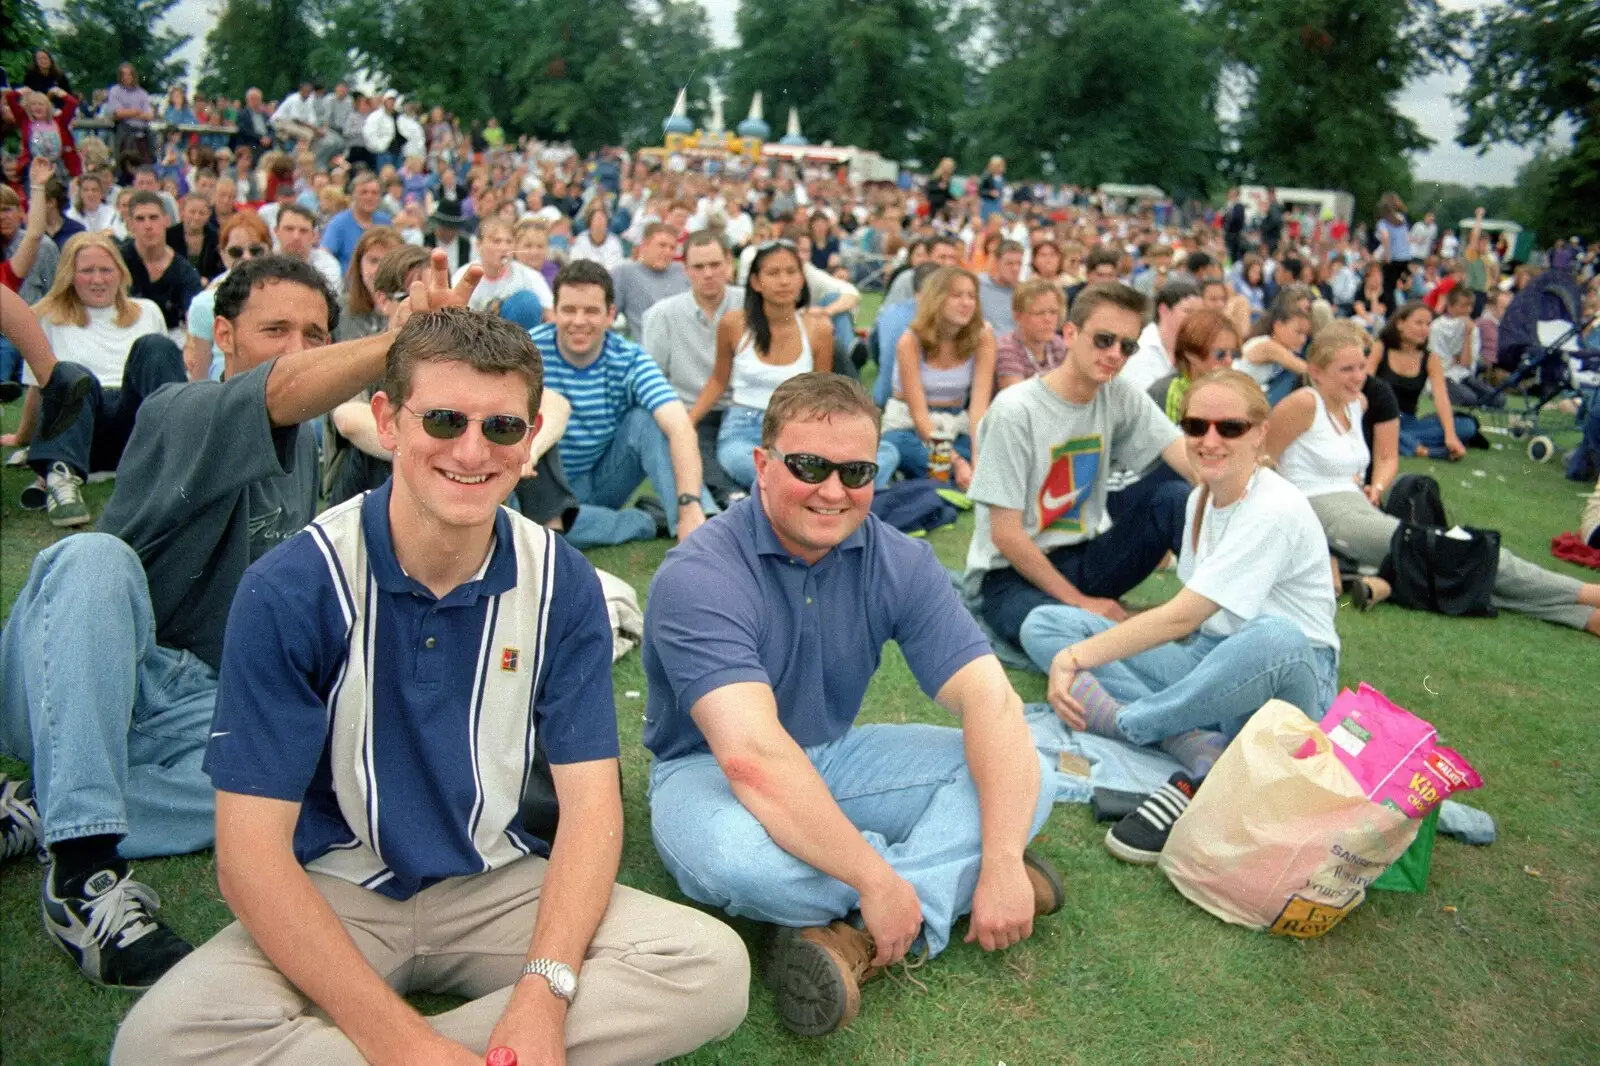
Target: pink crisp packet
{"x":1394,"y":756}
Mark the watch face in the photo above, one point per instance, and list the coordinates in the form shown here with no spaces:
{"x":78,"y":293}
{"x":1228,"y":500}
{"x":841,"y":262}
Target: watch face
{"x":564,"y":981}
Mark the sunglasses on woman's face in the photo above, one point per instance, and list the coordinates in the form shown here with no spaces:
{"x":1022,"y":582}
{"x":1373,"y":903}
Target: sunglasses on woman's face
{"x":254,"y":251}
{"x":445,"y":424}
{"x":1227,"y":428}
{"x":1105,"y":339}
{"x":1224,"y":355}
{"x":814,"y":469}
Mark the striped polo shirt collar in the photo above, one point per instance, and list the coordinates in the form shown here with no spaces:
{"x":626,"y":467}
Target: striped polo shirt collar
{"x":497,"y":576}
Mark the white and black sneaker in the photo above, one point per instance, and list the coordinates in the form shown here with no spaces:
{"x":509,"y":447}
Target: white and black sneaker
{"x":1140,"y":836}
{"x":19,"y":820}
{"x":104,"y":922}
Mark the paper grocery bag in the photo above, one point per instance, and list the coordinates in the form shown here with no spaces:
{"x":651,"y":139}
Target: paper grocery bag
{"x":1278,"y":843}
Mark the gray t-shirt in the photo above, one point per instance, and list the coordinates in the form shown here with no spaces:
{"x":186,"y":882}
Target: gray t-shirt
{"x":682,"y":339}
{"x":638,"y":287}
{"x":996,"y":303}
{"x":1047,"y":458}
{"x":205,"y":487}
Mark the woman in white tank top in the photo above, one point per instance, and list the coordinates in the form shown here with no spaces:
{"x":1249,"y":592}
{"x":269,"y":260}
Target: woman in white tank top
{"x":758,"y":349}
{"x":1316,"y":436}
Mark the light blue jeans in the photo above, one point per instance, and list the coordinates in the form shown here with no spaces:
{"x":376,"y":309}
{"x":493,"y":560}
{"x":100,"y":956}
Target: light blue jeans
{"x":906,"y":787}
{"x":113,"y":725}
{"x":639,"y":450}
{"x":1428,"y":432}
{"x":912,"y":455}
{"x":740,"y":436}
{"x":1202,"y":682}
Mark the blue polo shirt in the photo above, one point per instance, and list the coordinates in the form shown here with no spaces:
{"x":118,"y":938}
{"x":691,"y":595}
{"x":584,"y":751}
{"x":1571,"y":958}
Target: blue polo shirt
{"x":622,"y":377}
{"x":730,"y":604}
{"x":404,"y":724}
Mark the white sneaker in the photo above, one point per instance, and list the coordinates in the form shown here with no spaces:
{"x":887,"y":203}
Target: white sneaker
{"x":1589,"y":524}
{"x":65,"y":507}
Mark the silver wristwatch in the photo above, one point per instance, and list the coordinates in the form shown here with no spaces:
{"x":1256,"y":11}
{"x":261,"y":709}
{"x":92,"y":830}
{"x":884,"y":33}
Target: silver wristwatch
{"x":563,"y":981}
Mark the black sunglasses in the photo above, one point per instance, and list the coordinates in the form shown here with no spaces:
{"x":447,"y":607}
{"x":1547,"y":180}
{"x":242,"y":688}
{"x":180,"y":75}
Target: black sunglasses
{"x":1104,"y":339}
{"x":814,"y":469}
{"x":253,"y":250}
{"x":1227,"y":428}
{"x":446,"y":424}
{"x":1230,"y":354}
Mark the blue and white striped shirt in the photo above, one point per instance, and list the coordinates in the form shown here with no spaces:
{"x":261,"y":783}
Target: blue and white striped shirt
{"x":404,"y":724}
{"x":623,"y":376}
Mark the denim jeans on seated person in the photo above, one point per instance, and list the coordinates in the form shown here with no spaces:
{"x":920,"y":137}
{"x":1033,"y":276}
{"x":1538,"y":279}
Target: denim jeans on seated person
{"x":113,"y":725}
{"x":905,"y":787}
{"x":1201,"y":682}
{"x":96,"y":438}
{"x":913,"y":454}
{"x":1109,"y":565}
{"x":10,"y":361}
{"x":1428,"y":432}
{"x":638,"y":451}
{"x":740,"y":436}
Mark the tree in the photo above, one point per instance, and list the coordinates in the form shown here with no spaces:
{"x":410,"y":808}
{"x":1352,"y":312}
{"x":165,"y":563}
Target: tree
{"x":1536,"y":66}
{"x":101,"y":35}
{"x":887,"y":76}
{"x":1077,"y":95}
{"x":1319,"y":80}
{"x":269,"y":44}
{"x":675,"y":44}
{"x":24,"y":30}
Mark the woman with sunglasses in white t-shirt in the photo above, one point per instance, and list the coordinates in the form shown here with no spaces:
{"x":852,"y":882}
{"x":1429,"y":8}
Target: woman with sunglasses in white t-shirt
{"x":1253,"y":621}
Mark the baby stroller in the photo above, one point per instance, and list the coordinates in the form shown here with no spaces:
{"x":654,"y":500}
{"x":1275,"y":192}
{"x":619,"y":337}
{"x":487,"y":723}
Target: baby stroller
{"x":1552,"y":378}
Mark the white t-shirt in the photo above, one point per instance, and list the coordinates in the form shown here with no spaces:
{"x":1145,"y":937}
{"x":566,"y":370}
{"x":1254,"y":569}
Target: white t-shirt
{"x":1150,"y":363}
{"x":517,"y":278}
{"x":1264,"y":554}
{"x":104,"y":217}
{"x":101,"y":346}
{"x":328,"y":266}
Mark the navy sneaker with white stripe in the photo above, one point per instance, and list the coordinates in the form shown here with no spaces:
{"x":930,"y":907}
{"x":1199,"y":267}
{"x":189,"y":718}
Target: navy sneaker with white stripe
{"x":104,"y":922}
{"x":1140,"y":836}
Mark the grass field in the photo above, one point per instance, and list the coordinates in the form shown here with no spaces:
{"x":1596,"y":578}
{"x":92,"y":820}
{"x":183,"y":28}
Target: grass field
{"x":1495,"y":963}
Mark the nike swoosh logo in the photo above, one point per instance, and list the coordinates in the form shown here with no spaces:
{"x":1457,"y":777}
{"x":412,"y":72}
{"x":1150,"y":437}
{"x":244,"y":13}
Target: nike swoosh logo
{"x":1053,"y":503}
{"x":221,"y":734}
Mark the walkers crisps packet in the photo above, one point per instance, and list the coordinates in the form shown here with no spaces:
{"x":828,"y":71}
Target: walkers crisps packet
{"x":1394,"y":756}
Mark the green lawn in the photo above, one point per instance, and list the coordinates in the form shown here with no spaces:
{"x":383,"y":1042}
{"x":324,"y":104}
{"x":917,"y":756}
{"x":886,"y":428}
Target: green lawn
{"x":1496,"y":963}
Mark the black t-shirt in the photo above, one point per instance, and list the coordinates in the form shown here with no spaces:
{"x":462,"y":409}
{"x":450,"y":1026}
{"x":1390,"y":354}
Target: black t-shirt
{"x":205,"y":487}
{"x":172,"y":291}
{"x":1382,"y":406}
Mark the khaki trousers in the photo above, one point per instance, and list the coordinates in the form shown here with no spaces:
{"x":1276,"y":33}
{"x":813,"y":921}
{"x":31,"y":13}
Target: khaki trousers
{"x":659,"y":979}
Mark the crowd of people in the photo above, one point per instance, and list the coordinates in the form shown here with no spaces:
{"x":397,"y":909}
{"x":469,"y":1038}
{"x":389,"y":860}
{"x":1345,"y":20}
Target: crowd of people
{"x":369,"y":383}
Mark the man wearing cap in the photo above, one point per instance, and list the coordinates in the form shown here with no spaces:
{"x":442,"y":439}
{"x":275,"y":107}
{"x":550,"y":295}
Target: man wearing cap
{"x":380,"y":132}
{"x":345,"y":228}
{"x":452,"y":231}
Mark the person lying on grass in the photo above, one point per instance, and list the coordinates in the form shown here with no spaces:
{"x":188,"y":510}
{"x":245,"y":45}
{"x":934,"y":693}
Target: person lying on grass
{"x":1253,"y":622}
{"x":1315,"y":437}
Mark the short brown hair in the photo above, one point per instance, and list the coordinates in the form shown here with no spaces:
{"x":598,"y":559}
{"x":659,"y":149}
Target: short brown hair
{"x":486,"y":342}
{"x":810,"y":396}
{"x":1113,"y":293}
{"x":1030,"y":291}
{"x":702,"y":237}
{"x":653,"y":228}
{"x":397,"y":266}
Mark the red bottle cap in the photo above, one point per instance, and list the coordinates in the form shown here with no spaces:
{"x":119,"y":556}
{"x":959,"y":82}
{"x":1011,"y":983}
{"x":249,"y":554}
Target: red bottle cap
{"x":500,"y":1056}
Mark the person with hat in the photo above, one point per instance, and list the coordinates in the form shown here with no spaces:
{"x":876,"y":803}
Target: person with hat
{"x":451,"y":229}
{"x":345,"y":229}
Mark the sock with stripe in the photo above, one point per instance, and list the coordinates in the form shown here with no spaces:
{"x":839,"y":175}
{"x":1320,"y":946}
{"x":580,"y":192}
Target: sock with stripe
{"x":1099,"y":706}
{"x":1198,"y":750}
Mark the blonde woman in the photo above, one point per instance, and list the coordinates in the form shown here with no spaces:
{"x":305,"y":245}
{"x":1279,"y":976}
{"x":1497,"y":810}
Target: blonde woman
{"x":944,"y":376}
{"x":113,"y":352}
{"x":1253,"y":621}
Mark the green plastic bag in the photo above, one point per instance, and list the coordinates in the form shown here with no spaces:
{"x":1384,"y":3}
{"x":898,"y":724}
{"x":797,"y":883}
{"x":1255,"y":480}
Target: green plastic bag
{"x":1409,"y":873}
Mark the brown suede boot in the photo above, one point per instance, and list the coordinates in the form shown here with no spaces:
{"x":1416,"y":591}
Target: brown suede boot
{"x":816,"y":975}
{"x":1049,"y":893}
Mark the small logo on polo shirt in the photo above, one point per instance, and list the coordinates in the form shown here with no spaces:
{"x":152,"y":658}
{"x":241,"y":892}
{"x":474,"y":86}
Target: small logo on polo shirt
{"x":508,"y":660}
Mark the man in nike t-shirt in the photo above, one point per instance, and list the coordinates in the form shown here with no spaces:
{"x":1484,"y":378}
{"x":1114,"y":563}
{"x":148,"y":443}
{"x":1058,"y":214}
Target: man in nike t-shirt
{"x":1042,"y":536}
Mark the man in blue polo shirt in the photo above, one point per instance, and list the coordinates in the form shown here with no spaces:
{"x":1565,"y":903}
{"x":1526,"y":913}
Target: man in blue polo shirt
{"x":386,"y":678}
{"x":761,"y":635}
{"x":626,"y":424}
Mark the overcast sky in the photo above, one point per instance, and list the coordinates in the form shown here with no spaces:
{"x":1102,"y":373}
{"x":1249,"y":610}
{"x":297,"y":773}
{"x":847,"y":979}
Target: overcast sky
{"x":1426,"y":101}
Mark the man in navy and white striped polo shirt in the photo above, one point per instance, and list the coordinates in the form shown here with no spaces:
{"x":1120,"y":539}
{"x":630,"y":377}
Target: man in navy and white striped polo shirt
{"x":626,"y":425}
{"x":385,"y":677}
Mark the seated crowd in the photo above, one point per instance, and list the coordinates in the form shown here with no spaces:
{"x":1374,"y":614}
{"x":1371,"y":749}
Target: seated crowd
{"x":367,"y":387}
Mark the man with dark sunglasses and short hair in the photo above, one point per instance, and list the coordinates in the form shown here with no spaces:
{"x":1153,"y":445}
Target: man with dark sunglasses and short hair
{"x":391,"y":676}
{"x":762,"y":632}
{"x":1040,"y":481}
